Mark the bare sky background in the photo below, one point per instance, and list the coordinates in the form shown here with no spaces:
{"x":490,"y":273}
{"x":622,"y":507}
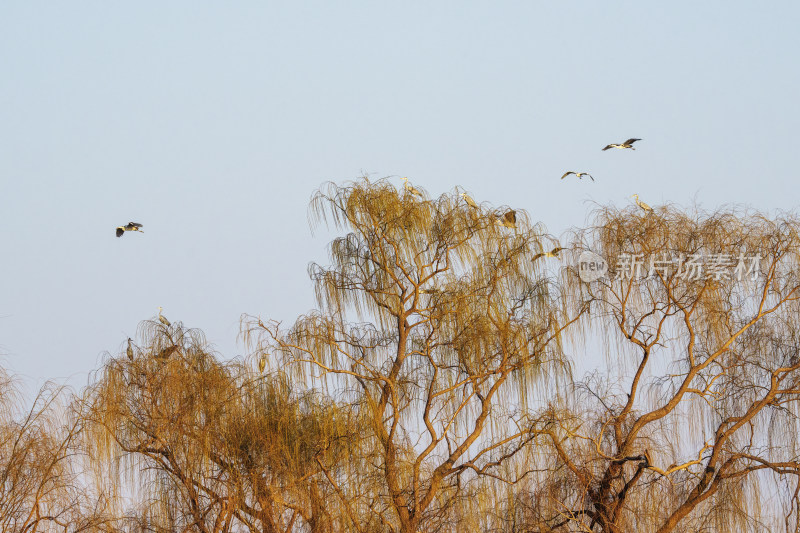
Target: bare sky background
{"x":212,"y":123}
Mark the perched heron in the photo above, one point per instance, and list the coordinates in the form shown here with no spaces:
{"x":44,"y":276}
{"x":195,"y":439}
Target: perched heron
{"x":166,"y":352}
{"x":262,"y":363}
{"x":411,"y":189}
{"x":552,"y":253}
{"x":579,"y":174}
{"x":469,"y":200}
{"x":641,"y":204}
{"x":430,"y":291}
{"x":130,"y":349}
{"x":626,"y":144}
{"x":130,"y":226}
{"x":162,"y":318}
{"x":509,"y":219}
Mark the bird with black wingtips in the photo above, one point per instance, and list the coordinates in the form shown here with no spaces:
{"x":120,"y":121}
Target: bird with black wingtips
{"x":411,"y":189}
{"x":626,"y":144}
{"x":162,"y":318}
{"x":579,"y":174}
{"x":130,"y":226}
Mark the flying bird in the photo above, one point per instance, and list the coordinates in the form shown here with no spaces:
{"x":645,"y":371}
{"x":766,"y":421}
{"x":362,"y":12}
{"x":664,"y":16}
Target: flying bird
{"x":130,"y":349}
{"x":579,"y":174}
{"x":130,"y":226}
{"x":552,"y":253}
{"x":469,"y":200}
{"x":641,"y":204}
{"x":626,"y":144}
{"x":411,"y":189}
{"x":162,"y":318}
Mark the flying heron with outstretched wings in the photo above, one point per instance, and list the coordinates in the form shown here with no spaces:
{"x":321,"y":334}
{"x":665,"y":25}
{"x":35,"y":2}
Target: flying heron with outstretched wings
{"x":579,"y":174}
{"x":626,"y":144}
{"x":130,"y":226}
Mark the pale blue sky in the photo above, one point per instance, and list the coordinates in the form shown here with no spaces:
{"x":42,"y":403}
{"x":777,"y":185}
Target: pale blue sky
{"x":212,"y":123}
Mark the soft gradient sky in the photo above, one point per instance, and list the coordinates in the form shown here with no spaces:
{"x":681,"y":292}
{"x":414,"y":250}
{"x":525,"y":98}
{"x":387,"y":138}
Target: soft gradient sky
{"x":212,"y":123}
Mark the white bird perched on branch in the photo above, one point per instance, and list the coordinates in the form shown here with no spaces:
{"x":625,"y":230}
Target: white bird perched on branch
{"x":469,"y":200}
{"x":411,"y":189}
{"x":641,"y":204}
{"x":626,"y":144}
{"x":579,"y":174}
{"x":162,"y":318}
{"x":130,"y":226}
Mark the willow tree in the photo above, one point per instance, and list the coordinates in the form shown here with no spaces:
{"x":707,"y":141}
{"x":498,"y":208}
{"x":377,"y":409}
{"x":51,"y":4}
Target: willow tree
{"x":436,"y":322}
{"x":208,"y":446}
{"x":692,"y":424}
{"x":41,"y":469}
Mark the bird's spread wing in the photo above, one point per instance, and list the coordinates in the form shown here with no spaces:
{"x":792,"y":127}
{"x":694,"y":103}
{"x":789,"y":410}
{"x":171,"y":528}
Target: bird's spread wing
{"x":135,"y":224}
{"x":590,"y":176}
{"x":608,"y":146}
{"x":631,"y":141}
{"x":570,"y":172}
{"x":120,"y":231}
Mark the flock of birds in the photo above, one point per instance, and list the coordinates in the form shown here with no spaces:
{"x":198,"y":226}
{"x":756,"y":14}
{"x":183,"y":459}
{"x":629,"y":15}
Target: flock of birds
{"x":166,"y":352}
{"x":622,"y":146}
{"x":507,"y":219}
